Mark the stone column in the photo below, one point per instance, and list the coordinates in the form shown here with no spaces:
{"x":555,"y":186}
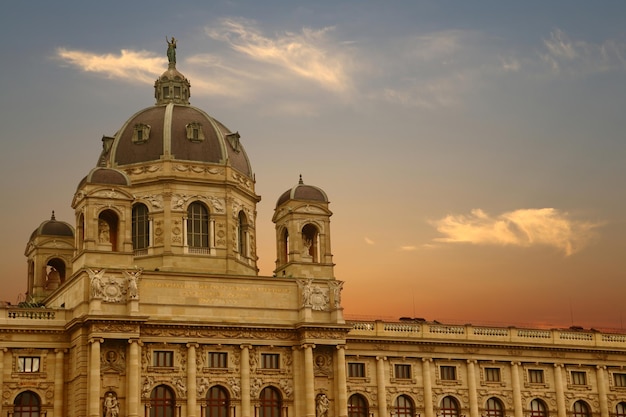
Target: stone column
{"x":471,"y":385}
{"x":191,"y":379}
{"x":517,"y":391}
{"x":604,"y":403}
{"x":246,"y":409}
{"x":132,"y":375}
{"x":382,"y":388}
{"x":94,"y":378}
{"x":298,"y":383}
{"x":428,"y":388}
{"x":2,"y":352}
{"x":560,"y":393}
{"x":58,"y":383}
{"x":309,"y":380}
{"x":342,"y":383}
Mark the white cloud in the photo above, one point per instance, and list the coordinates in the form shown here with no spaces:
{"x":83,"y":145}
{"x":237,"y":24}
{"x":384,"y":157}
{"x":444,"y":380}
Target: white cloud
{"x":369,"y":241}
{"x":408,"y":248}
{"x":307,"y":54}
{"x":142,"y":66}
{"x":564,"y":54}
{"x":523,"y":227}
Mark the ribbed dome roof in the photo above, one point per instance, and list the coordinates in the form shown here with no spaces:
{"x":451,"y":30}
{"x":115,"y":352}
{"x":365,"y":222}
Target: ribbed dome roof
{"x":53,"y":227}
{"x":301,"y":191}
{"x":173,"y":129}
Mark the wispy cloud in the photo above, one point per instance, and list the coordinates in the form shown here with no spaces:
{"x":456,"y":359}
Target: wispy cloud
{"x":306,"y":54}
{"x":142,"y":66}
{"x":564,"y":54}
{"x":368,"y":241}
{"x":524,"y":227}
{"x":408,"y":248}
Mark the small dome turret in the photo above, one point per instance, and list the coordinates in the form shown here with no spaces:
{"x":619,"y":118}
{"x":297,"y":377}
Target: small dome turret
{"x":304,"y":192}
{"x":53,"y":227}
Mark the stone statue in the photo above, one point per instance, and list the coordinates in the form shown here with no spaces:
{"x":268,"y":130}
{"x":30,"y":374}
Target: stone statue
{"x":171,"y":50}
{"x":133,"y":278}
{"x":97,"y":285}
{"x":322,"y":405}
{"x":104,"y":232}
{"x":111,"y":406}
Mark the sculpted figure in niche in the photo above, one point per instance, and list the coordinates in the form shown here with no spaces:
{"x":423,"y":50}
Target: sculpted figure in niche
{"x":104,"y":232}
{"x":111,"y":406}
{"x":322,"y":405}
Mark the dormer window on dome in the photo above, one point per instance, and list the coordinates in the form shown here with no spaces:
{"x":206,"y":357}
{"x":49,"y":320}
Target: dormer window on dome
{"x":141,"y":133}
{"x":194,"y":132}
{"x":233,"y":139}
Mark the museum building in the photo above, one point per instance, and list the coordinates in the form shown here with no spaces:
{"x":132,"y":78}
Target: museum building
{"x":152,"y":306}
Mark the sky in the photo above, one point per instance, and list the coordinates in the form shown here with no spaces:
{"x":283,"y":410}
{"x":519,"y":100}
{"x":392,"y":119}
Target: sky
{"x":473,"y":152}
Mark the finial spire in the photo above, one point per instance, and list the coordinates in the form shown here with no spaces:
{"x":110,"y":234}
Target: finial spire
{"x":300,"y":182}
{"x":52,"y":217}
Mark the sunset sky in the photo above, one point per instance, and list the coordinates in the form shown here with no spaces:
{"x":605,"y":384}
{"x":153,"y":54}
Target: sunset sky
{"x":473,"y":152}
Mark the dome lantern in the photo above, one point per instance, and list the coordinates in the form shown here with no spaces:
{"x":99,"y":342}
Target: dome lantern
{"x":172,"y":86}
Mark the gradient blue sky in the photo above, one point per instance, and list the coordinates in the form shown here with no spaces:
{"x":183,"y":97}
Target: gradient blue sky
{"x":473,"y":151}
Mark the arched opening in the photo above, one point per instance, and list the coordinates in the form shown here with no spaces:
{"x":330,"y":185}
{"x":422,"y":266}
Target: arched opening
{"x":310,"y":243}
{"x":140,"y":228}
{"x":242,"y":234}
{"x":26,"y":404}
{"x":620,"y":409}
{"x":55,"y":273}
{"x":449,"y":407}
{"x":580,"y":409}
{"x":110,"y":405}
{"x":283,"y":247}
{"x":494,"y":408}
{"x":357,"y":406}
{"x":538,"y":408}
{"x":162,"y":402}
{"x":404,"y":406}
{"x":217,"y":402}
{"x":197,"y":226}
{"x":270,"y":402}
{"x":107,"y":229}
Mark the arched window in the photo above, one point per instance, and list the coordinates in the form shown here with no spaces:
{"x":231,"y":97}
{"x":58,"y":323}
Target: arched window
{"x":197,"y":226}
{"x":538,"y":409}
{"x":310,"y":243}
{"x":404,"y":407}
{"x":283,"y":248}
{"x":26,"y":404}
{"x":581,"y":409}
{"x":449,"y":407}
{"x":494,"y":408}
{"x":107,"y":229}
{"x":141,"y":227}
{"x":357,"y":406}
{"x":242,"y":234}
{"x":270,"y":403}
{"x":80,"y":235}
{"x":620,"y":409}
{"x":59,"y":265}
{"x":162,"y":402}
{"x":217,"y":402}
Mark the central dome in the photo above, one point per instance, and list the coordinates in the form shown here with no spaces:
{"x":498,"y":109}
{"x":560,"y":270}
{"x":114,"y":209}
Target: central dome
{"x":172,"y":129}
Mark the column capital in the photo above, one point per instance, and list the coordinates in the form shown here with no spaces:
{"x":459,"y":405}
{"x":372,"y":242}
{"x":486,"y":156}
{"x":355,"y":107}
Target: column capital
{"x":559,"y":365}
{"x":308,"y":345}
{"x":135,"y":340}
{"x":601,"y":367}
{"x":427,"y":359}
{"x":471,"y":361}
{"x":96,"y":339}
{"x":340,"y":347}
{"x":516,"y":363}
{"x":245,"y":346}
{"x":193,"y":344}
{"x":381,"y":358}
{"x":58,"y":350}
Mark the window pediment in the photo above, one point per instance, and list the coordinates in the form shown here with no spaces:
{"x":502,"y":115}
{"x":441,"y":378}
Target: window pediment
{"x":141,"y":133}
{"x":195,"y":132}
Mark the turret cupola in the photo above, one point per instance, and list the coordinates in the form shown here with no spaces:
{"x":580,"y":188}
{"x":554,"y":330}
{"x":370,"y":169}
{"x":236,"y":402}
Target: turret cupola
{"x":172,"y":86}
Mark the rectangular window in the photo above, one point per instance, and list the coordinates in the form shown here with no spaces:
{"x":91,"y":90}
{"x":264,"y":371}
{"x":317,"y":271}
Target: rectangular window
{"x":619,"y":380}
{"x":448,"y":373}
{"x":535,"y":376}
{"x":164,"y":358}
{"x":492,"y":374}
{"x":176,"y":91}
{"x":28,"y":364}
{"x":218,"y":360}
{"x":579,"y":378}
{"x":270,"y":361}
{"x":166,"y":92}
{"x":356,"y":370}
{"x":402,"y":371}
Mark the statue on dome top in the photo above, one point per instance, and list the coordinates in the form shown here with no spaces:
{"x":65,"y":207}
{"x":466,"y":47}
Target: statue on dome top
{"x":171,"y":50}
